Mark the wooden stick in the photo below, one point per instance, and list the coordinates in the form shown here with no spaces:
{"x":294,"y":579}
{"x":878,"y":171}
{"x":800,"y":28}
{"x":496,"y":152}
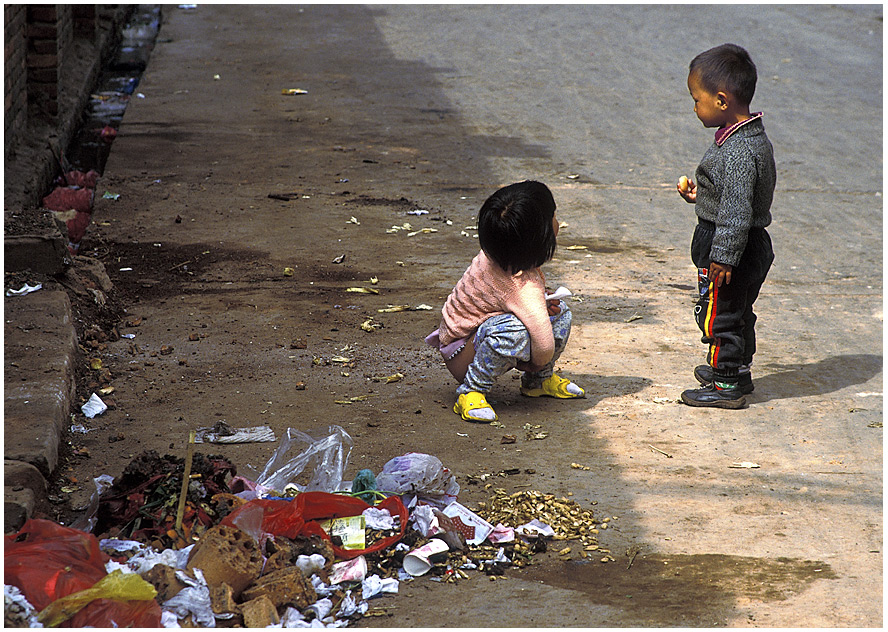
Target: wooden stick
{"x":668,"y":456}
{"x":186,"y":477}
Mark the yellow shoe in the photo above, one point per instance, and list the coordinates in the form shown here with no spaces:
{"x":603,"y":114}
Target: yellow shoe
{"x":473,"y":406}
{"x":555,"y":386}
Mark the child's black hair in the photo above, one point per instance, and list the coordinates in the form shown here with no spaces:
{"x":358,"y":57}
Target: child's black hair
{"x":727,"y":68}
{"x":515,"y":226}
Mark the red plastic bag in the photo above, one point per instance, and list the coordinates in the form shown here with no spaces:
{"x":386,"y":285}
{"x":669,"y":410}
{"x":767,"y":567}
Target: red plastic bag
{"x":47,"y":561}
{"x":69,"y":199}
{"x":292,"y":518}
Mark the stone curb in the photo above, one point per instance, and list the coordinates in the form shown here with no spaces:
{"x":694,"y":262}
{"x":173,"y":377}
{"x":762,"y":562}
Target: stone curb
{"x":40,"y":347}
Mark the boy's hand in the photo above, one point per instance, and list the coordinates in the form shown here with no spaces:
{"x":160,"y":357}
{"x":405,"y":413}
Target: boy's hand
{"x":719,"y":272}
{"x":688,"y":191}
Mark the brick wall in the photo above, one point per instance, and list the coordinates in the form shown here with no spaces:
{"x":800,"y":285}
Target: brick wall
{"x":15,"y":76}
{"x":50,"y":32}
{"x":43,"y":42}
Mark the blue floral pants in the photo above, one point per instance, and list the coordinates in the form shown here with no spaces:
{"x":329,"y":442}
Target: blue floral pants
{"x":501,"y":342}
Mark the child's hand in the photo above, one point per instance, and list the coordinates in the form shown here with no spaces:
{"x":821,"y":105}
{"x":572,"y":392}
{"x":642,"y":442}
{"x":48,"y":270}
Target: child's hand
{"x":719,"y":272}
{"x":687,"y":189}
{"x":553,"y":306}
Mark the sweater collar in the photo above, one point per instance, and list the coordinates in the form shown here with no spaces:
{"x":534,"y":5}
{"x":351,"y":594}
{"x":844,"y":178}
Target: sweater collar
{"x":725,"y":132}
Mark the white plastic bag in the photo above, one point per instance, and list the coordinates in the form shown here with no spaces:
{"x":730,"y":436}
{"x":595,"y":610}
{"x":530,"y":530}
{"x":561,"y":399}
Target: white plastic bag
{"x":421,"y":474}
{"x":328,"y":456}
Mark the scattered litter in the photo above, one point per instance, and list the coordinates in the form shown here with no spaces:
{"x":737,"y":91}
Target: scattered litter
{"x":668,"y":456}
{"x":422,"y":231}
{"x":419,"y":561}
{"x":423,"y":307}
{"x":375,"y":585}
{"x":349,"y":571}
{"x":578,"y":466}
{"x":26,"y":289}
{"x":362,"y":290}
{"x":94,"y":406}
{"x":370,"y":326}
{"x":80,"y":429}
{"x":339,"y":259}
{"x":404,"y":226}
{"x":353,"y":220}
{"x":576,"y":247}
{"x":744,"y":464}
{"x":418,"y":212}
{"x":107,"y":195}
{"x":531,"y":432}
{"x":395,"y":377}
{"x":292,"y":91}
{"x":288,"y":272}
{"x":221,"y":432}
{"x":468,"y":523}
{"x":633,"y":318}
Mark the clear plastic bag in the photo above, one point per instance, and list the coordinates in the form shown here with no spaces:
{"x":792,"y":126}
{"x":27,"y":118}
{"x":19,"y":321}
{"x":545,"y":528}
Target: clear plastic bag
{"x":421,"y":474}
{"x":326,"y":454}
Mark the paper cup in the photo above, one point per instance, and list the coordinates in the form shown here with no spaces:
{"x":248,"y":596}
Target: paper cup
{"x":419,"y":561}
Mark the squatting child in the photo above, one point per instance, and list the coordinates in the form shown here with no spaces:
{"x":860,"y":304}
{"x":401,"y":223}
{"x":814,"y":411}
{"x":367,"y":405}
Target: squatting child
{"x":497,"y":317}
{"x":730,"y":247}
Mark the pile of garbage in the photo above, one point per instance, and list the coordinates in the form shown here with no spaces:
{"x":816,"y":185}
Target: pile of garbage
{"x":188,"y":543}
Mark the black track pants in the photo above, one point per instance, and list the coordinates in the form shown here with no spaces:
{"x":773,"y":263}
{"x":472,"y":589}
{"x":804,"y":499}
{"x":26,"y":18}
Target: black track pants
{"x":724,"y":314}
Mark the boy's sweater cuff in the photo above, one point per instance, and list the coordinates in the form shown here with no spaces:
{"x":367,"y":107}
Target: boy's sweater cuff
{"x":725,"y":257}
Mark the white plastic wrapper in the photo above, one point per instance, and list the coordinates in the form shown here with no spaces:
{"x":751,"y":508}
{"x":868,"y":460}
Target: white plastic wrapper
{"x":194,"y":599}
{"x":381,"y":519}
{"x":375,"y":585}
{"x":94,"y":406}
{"x":535,"y":528}
{"x":310,"y":564}
{"x":560,"y":293}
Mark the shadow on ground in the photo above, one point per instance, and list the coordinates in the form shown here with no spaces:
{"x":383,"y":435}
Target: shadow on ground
{"x":825,"y":376}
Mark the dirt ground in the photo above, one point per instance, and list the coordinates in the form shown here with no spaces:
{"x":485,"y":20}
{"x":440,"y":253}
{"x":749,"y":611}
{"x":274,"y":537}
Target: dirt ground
{"x":245,"y":217}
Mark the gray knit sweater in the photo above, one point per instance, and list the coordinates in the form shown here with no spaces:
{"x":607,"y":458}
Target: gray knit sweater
{"x":735,"y":186}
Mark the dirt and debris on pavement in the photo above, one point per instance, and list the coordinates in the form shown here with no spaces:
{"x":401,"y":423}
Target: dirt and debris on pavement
{"x":214,"y":549}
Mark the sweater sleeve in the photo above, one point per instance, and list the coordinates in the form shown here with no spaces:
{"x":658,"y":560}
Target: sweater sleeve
{"x":735,"y":207}
{"x":529,"y":306}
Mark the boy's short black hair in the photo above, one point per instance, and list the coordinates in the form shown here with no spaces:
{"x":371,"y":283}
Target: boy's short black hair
{"x":726,"y":68}
{"x":515,"y":226}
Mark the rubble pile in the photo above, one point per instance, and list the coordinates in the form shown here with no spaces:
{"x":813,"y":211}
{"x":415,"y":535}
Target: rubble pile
{"x":226,"y":551}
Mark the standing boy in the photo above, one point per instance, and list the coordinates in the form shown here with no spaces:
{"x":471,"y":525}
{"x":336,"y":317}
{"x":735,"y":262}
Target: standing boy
{"x":732,"y":198}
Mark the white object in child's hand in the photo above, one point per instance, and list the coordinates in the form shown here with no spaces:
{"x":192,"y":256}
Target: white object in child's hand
{"x":560,"y":293}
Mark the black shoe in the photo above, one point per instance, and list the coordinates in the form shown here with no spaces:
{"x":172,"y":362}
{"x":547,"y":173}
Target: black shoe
{"x":713,"y":397}
{"x":704,"y":375}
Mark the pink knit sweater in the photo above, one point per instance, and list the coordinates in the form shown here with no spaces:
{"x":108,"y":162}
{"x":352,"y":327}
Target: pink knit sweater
{"x":486,"y":290}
